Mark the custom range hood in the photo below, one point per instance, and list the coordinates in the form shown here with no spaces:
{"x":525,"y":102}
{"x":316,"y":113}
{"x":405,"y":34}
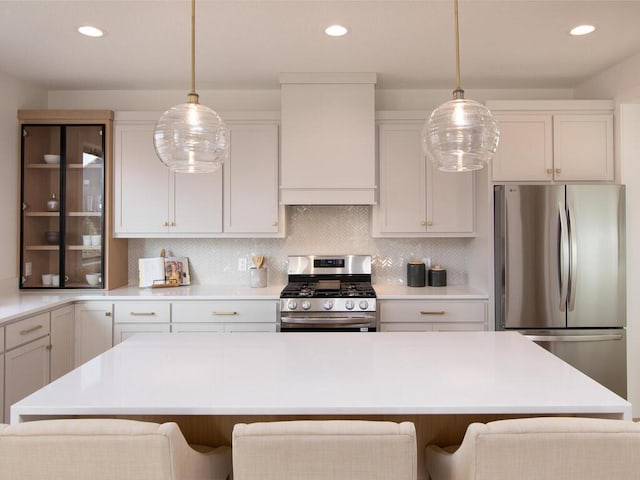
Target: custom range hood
{"x":327,"y":139}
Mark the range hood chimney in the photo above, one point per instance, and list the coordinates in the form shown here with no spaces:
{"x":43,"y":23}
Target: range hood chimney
{"x":327,"y":139}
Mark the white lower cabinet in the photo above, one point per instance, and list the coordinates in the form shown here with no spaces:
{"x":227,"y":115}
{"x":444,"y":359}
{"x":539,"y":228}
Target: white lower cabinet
{"x":2,"y":419}
{"x":432,"y":315}
{"x":94,"y":330}
{"x":27,"y":358}
{"x":62,"y":341}
{"x":224,"y":316}
{"x":131,"y":318}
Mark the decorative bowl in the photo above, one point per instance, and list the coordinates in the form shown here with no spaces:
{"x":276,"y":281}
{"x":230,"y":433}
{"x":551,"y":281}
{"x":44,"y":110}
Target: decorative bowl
{"x":52,"y":237}
{"x":51,"y":158}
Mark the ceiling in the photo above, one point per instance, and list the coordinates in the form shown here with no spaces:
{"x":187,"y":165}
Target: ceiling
{"x":244,"y":44}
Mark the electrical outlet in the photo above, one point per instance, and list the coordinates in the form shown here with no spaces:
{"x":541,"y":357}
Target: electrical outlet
{"x":27,"y":269}
{"x":427,"y":262}
{"x":242,"y":264}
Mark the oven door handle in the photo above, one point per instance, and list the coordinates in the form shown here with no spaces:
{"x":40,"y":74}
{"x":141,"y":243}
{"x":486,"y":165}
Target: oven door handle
{"x":326,"y":322}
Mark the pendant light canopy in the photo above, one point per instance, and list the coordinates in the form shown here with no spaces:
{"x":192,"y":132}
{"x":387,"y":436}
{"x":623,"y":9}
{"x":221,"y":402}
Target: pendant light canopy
{"x":191,"y":137}
{"x":461,"y":134}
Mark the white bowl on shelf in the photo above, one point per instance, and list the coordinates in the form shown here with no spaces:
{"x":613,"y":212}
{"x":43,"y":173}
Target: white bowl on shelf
{"x":51,"y":158}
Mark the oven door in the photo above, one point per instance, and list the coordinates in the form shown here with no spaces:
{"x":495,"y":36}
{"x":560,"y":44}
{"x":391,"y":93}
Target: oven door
{"x":328,"y":322}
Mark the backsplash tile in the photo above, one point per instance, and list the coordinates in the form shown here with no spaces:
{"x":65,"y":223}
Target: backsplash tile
{"x":311,"y":230}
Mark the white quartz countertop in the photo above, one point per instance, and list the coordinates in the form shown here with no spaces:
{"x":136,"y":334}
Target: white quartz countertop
{"x":16,"y":303}
{"x":324,"y":373}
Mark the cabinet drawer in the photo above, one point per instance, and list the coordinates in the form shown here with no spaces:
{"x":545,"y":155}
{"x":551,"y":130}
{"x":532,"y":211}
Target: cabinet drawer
{"x":408,"y":311}
{"x":209,"y":327}
{"x":27,"y":330}
{"x":142,"y":312}
{"x":225,"y":311}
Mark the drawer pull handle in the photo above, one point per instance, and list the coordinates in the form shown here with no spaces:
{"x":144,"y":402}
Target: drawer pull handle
{"x":440,"y":312}
{"x":224,"y":313}
{"x":31,"y":330}
{"x":142,"y":314}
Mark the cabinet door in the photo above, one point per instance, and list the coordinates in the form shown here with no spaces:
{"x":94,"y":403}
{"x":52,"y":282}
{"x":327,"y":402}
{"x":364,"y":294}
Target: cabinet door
{"x":583,"y":147}
{"x":450,"y":201}
{"x":402,"y":207}
{"x":251,"y":179}
{"x":525,"y":151}
{"x":141,"y":182}
{"x":26,"y":370}
{"x":195,"y":203}
{"x":197,"y":327}
{"x":2,"y":419}
{"x":122,"y":331}
{"x":62,"y":341}
{"x":94,"y":330}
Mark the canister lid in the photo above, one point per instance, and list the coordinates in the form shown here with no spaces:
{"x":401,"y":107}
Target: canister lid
{"x":437,"y":267}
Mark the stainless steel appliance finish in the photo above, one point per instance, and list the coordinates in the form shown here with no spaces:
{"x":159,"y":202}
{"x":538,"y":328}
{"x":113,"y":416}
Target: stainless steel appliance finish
{"x":328,"y":293}
{"x":560,"y":273}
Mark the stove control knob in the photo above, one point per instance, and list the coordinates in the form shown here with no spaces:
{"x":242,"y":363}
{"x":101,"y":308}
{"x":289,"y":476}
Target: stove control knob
{"x":327,"y":305}
{"x":306,"y":305}
{"x":363,"y":304}
{"x":349,"y":305}
{"x":292,"y":305}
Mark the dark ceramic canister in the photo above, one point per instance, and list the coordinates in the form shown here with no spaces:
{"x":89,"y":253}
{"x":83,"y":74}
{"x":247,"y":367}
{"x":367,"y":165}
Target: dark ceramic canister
{"x":416,"y":274}
{"x":437,"y":276}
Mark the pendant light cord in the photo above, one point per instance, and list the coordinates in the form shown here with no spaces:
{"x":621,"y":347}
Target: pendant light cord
{"x":458,"y":92}
{"x":193,"y":96}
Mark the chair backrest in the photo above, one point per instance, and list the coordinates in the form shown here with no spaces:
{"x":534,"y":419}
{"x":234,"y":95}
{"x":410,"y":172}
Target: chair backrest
{"x":324,"y":450}
{"x":556,"y":448}
{"x":96,"y":449}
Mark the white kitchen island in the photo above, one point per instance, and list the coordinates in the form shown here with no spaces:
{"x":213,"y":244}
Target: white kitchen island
{"x":440,"y":380}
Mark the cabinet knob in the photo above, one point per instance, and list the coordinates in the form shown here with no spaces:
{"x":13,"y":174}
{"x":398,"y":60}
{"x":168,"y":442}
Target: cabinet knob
{"x":49,"y":347}
{"x":274,"y":224}
{"x":423,"y":223}
{"x":165,"y":224}
{"x":107,"y":314}
{"x":558,"y":170}
{"x":549,"y":171}
{"x":172,"y":224}
{"x":429,"y":223}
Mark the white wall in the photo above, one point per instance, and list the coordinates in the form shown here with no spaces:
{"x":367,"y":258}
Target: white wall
{"x":14,"y":94}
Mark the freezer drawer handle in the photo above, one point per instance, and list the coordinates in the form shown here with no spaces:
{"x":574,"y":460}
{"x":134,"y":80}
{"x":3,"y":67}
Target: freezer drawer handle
{"x":439,"y":312}
{"x":574,"y":338}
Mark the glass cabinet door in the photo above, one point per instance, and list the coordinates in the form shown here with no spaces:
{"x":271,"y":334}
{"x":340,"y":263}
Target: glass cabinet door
{"x":41,"y":221}
{"x":83,"y":197}
{"x":62,"y":220}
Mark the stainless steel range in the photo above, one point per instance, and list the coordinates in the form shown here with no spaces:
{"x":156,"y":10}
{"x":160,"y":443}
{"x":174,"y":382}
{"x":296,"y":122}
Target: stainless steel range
{"x":328,"y":293}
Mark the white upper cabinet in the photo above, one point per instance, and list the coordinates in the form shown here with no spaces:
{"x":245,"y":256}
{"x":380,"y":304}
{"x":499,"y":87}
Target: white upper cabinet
{"x":251,"y":179}
{"x":553,"y":141}
{"x":328,"y":139}
{"x":152,"y":202}
{"x":416,"y":199}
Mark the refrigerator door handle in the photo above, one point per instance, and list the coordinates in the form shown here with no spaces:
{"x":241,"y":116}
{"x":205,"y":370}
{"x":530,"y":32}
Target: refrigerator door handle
{"x":564,"y":251}
{"x":573,"y":258}
{"x":575,"y":338}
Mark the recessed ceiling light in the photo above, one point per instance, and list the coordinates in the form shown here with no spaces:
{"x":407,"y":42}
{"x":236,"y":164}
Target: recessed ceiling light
{"x":582,"y":30}
{"x":90,"y":31}
{"x":336,"y":30}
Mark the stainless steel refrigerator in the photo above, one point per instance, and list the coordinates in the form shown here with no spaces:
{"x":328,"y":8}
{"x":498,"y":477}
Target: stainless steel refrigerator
{"x":560,"y":273}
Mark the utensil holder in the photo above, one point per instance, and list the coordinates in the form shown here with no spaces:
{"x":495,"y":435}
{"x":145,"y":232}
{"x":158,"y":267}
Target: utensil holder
{"x":258,"y":277}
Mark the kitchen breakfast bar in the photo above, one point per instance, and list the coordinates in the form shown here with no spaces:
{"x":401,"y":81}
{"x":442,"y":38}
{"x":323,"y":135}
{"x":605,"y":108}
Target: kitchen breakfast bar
{"x":442,"y":381}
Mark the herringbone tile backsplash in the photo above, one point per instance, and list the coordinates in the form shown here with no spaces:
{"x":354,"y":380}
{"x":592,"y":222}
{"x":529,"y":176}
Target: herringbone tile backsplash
{"x":311,"y":230}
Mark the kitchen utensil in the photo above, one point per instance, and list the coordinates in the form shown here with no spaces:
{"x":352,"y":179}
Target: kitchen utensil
{"x":437,"y":276}
{"x":258,"y":261}
{"x":416,"y":274}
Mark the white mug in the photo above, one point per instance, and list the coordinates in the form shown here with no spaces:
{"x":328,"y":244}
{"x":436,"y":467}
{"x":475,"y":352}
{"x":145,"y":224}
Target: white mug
{"x":46,"y":279}
{"x":95,"y":239}
{"x":93,"y":278}
{"x":55,"y":280}
{"x":86,"y":240}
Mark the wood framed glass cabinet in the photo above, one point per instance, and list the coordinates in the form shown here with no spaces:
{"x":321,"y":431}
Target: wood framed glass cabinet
{"x":65,"y":234}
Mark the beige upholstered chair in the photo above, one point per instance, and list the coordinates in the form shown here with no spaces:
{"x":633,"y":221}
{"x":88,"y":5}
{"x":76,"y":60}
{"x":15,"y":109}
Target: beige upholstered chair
{"x":324,"y":450}
{"x":541,"y":449}
{"x":101,"y":449}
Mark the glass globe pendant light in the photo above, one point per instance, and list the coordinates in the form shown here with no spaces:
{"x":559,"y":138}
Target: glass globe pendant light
{"x":191,"y":137}
{"x":461,"y":134}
